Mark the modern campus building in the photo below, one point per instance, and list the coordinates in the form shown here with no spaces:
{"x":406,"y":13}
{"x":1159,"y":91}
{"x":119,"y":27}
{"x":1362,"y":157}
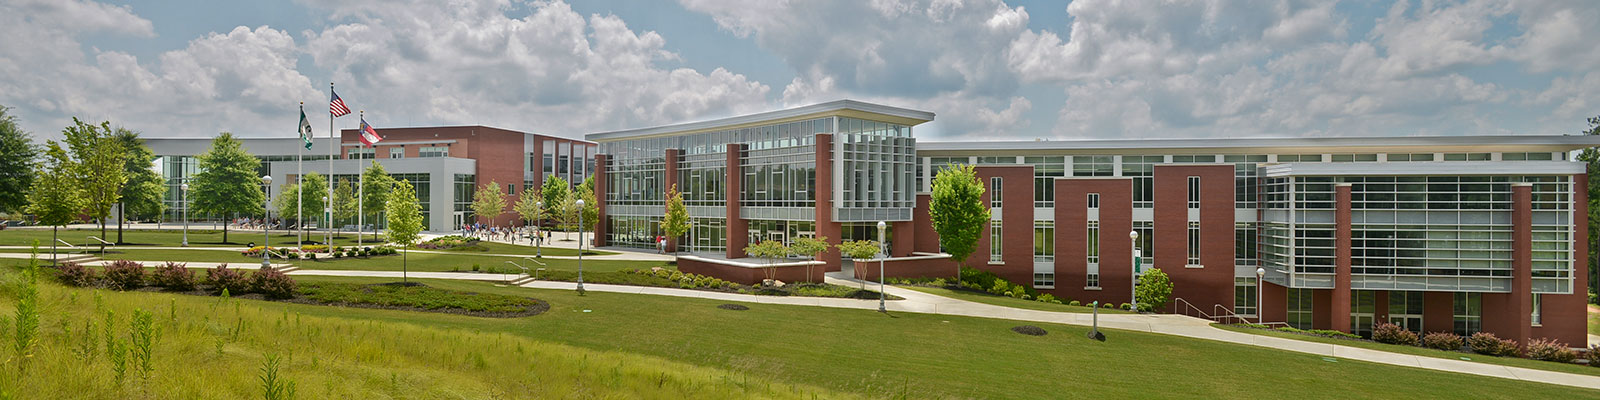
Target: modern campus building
{"x":1461,"y":233}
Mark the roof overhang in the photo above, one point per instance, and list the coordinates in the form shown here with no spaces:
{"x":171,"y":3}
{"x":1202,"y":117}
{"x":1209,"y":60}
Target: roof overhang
{"x":840,"y":108}
{"x":1314,"y":145}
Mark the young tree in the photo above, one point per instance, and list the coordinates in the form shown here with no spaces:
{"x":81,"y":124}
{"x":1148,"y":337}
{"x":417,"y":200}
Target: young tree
{"x":860,"y":251}
{"x":53,"y":198}
{"x":555,"y":193}
{"x":313,"y":188}
{"x":227,"y":182}
{"x":811,"y":248}
{"x":957,"y":210}
{"x":375,"y":186}
{"x":142,"y":193}
{"x":676,"y":222}
{"x":1154,"y":290}
{"x":570,"y":212}
{"x":528,"y":208}
{"x":489,"y":201}
{"x":288,"y":209}
{"x":344,"y":202}
{"x":98,"y":164}
{"x":16,"y":167}
{"x":770,"y":250}
{"x":405,"y":220}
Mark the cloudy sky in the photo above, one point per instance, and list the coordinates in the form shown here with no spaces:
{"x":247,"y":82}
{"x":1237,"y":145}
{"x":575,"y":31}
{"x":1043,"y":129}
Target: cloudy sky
{"x":989,"y":68}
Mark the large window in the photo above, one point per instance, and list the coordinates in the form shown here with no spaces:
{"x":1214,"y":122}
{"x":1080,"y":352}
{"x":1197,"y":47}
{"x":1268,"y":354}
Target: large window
{"x":1299,"y":309}
{"x":1094,"y":200}
{"x":1363,"y":305}
{"x":1045,"y":172}
{"x":1244,"y":296}
{"x":1093,"y":242}
{"x":1194,"y":192}
{"x":1244,"y":243}
{"x":360,"y":153}
{"x":1194,"y":243}
{"x":996,"y":192}
{"x":433,"y":151}
{"x":1405,"y":309}
{"x":1044,"y":280}
{"x":1468,"y":313}
{"x":397,"y":152}
{"x":1142,"y":170}
{"x":995,"y":236}
{"x":1044,"y":239}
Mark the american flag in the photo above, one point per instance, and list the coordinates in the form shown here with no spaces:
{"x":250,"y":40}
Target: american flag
{"x":337,"y":106}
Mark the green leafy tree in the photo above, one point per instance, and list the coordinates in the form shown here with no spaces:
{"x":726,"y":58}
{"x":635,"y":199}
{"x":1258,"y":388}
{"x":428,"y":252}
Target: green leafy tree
{"x":375,"y":187}
{"x":489,"y":201}
{"x":405,"y":220}
{"x":676,"y":222}
{"x":16,"y":167}
{"x":528,"y":208}
{"x":771,"y":250}
{"x":860,"y":251}
{"x":811,"y":248}
{"x":53,"y":198}
{"x":143,"y":192}
{"x":1591,"y":158}
{"x":99,"y":168}
{"x":288,"y":209}
{"x":226,"y":183}
{"x":957,"y":210}
{"x":313,"y":188}
{"x":555,"y":193}
{"x":344,"y":202}
{"x":1154,"y":291}
{"x":570,"y":212}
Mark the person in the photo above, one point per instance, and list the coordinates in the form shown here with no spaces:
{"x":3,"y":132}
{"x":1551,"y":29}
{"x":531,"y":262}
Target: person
{"x":661,"y":244}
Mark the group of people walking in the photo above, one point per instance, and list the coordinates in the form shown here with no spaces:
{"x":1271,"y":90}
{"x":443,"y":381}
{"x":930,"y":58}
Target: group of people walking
{"x":505,"y":233}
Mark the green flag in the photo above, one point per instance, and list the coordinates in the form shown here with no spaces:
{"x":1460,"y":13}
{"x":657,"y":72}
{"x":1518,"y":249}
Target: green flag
{"x":305,"y":128}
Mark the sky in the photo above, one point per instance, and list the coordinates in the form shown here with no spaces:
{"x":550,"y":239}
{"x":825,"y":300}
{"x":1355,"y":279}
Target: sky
{"x":989,"y":69}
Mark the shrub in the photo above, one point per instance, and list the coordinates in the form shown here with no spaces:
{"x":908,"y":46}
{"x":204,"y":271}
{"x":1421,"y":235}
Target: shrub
{"x":174,"y":276}
{"x":1393,"y":334}
{"x":1047,"y":298}
{"x":1550,"y":350}
{"x":310,"y":256}
{"x":1106,"y":306}
{"x":1442,"y":341}
{"x":224,"y":279}
{"x":77,"y":275}
{"x":1000,"y":287}
{"x":1154,"y":290}
{"x":124,"y":275}
{"x":1126,"y":306}
{"x":1593,"y":355}
{"x":272,"y":283}
{"x":1074,"y":303}
{"x":1488,"y":343}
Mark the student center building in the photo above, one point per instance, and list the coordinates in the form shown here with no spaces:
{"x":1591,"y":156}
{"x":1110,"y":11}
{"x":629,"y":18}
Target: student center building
{"x":1448,"y":233}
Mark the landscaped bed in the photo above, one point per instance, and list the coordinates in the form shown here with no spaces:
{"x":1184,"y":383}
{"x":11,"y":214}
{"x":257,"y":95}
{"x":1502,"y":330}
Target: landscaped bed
{"x":1460,"y":349}
{"x":418,"y":297}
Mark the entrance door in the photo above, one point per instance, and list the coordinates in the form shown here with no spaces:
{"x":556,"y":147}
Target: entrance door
{"x":1405,"y":309}
{"x":460,"y":220}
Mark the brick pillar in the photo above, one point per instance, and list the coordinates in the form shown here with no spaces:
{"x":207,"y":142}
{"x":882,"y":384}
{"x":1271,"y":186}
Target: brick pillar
{"x":1438,"y":311}
{"x":733,"y":177}
{"x":670,"y":181}
{"x":823,"y":192}
{"x":538,"y":162}
{"x":599,"y":199}
{"x":1522,"y":262}
{"x":1339,"y":307}
{"x":905,"y":238}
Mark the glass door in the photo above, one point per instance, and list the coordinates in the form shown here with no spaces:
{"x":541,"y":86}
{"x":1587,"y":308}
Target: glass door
{"x":1405,"y":309}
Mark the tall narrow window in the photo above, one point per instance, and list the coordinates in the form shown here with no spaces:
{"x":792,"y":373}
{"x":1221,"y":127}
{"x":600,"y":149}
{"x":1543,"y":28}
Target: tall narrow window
{"x":1092,"y":279}
{"x":1194,"y":192}
{"x":994,"y":241}
{"x":1300,"y":309}
{"x":1244,"y":296}
{"x":1194,"y":243}
{"x":996,"y":194}
{"x":1468,"y":313}
{"x":1536,"y":316}
{"x":1044,"y":280}
{"x":1094,"y":200}
{"x":1093,"y":243}
{"x":1044,"y":239}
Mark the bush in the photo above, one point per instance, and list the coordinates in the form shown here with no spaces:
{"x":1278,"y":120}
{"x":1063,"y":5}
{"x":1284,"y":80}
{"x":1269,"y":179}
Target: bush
{"x":1442,"y":341}
{"x":223,"y":278}
{"x":1047,"y":298}
{"x":1593,"y":355}
{"x":174,"y":276}
{"x":1074,"y":303}
{"x":1488,"y":343}
{"x":1393,"y":334}
{"x":1125,"y":306}
{"x":77,"y":275}
{"x":1550,"y":350}
{"x":124,"y":275}
{"x":1106,"y":306}
{"x":1154,"y":290}
{"x":272,"y":283}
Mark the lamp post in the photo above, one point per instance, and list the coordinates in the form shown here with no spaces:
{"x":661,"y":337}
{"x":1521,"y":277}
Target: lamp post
{"x":327,"y":212}
{"x":266,"y":226}
{"x":184,"y":189}
{"x":882,"y":255}
{"x":1260,"y":272}
{"x":538,"y":229}
{"x":1133,"y":281}
{"x":580,"y":246}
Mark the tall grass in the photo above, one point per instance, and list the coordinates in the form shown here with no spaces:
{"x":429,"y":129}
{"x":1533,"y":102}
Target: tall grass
{"x":219,"y":349}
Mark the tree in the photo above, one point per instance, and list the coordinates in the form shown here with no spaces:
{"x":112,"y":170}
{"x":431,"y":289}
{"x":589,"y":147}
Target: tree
{"x":313,"y":188}
{"x":375,"y":186}
{"x":405,"y":220}
{"x":676,"y":222}
{"x":17,"y":166}
{"x":1591,"y":158}
{"x":53,"y":198}
{"x":811,"y":248}
{"x":489,"y":201}
{"x":555,"y":193}
{"x":528,"y":208}
{"x":98,"y":161}
{"x":226,"y":182}
{"x":957,"y":210}
{"x":344,"y":201}
{"x":144,"y":190}
{"x":860,"y":251}
{"x":570,"y":212}
{"x":1154,"y":291}
{"x":770,"y":250}
{"x":288,"y":209}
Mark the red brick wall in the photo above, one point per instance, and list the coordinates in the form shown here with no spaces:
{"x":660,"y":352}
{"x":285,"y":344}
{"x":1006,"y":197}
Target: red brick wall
{"x":1438,"y":311}
{"x":1213,"y":284}
{"x":826,"y":227}
{"x":1274,"y":303}
{"x":928,"y":242}
{"x":750,"y":276}
{"x":1339,"y":310}
{"x":1116,"y":251}
{"x":1322,"y":299}
{"x":1016,"y":216}
{"x":1564,"y":316}
{"x":902,"y":268}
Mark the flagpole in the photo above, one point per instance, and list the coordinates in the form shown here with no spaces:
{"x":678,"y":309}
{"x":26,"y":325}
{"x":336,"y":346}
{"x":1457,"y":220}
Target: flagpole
{"x":361,"y":189}
{"x":333,"y":142}
{"x":299,"y":171}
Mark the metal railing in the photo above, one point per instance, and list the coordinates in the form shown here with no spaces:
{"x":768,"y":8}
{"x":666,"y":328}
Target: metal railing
{"x":1222,"y":314}
{"x":103,"y":244}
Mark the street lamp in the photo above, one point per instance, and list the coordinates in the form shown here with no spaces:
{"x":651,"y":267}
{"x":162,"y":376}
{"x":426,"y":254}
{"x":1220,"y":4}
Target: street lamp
{"x":266,"y":226}
{"x":580,"y":246}
{"x":1260,"y":272}
{"x":184,"y":189}
{"x":1133,"y":284}
{"x":882,"y":255}
{"x":327,"y":212}
{"x":538,"y":229}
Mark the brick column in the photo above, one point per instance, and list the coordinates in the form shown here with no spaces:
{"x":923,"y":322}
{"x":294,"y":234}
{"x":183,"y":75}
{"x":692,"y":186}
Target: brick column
{"x":1522,"y":262}
{"x":823,"y":192}
{"x":905,"y":238}
{"x":733,"y":177}
{"x":1339,"y":309}
{"x":670,"y":180}
{"x":600,"y":190}
{"x":538,"y":160}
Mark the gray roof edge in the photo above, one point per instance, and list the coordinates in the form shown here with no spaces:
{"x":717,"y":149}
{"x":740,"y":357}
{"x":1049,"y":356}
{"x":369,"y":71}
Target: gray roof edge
{"x":842,"y":104}
{"x":1576,"y":141}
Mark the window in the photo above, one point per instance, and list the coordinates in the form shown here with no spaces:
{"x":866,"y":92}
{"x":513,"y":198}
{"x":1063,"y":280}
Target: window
{"x":1194,"y":192}
{"x":1537,"y":320}
{"x":1093,"y":280}
{"x":433,"y":151}
{"x":1147,"y":234}
{"x":359,"y":153}
{"x":1410,"y":157}
{"x":1355,"y":157}
{"x":1466,"y":156}
{"x":1093,"y":242}
{"x":397,"y":152}
{"x":1244,"y":296}
{"x":996,"y":192}
{"x":1299,"y":309}
{"x":1044,"y":280}
{"x":995,"y":247}
{"x":1405,"y":309}
{"x":1541,"y":156}
{"x":1094,"y":200}
{"x":1468,"y":313}
{"x":511,"y":189}
{"x":1284,"y":158}
{"x":1362,"y":307}
{"x":1044,"y":239}
{"x":1194,"y":243}
{"x":1244,"y":243}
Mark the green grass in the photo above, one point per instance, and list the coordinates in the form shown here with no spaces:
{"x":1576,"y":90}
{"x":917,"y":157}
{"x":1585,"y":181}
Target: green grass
{"x":420,"y":262}
{"x":1004,"y":301}
{"x":423,"y":297}
{"x":518,"y":249}
{"x":1594,"y":322}
{"x":166,"y":238}
{"x":1425,"y":352}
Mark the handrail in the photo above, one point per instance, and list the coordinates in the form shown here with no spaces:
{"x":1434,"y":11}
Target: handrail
{"x":524,"y":269}
{"x":1189,"y":306}
{"x":103,"y":244}
{"x":1230,"y":314}
{"x":67,"y":243}
{"x":102,"y":241}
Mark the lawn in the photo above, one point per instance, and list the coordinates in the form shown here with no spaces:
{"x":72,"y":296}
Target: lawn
{"x":1594,"y":321}
{"x":419,"y":262}
{"x":518,"y":249}
{"x":167,"y":238}
{"x":1004,"y":301}
{"x":1425,"y":352}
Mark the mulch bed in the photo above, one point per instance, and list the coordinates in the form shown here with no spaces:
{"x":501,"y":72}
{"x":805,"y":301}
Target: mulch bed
{"x":539,"y":306}
{"x":734,"y":307}
{"x":1029,"y":330}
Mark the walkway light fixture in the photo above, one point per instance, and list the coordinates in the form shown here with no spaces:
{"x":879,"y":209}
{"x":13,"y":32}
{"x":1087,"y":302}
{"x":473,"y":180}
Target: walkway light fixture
{"x":184,"y":191}
{"x":1260,"y":272}
{"x":882,"y":255}
{"x":1133,"y":277}
{"x":266,"y":222}
{"x":538,"y":230}
{"x":580,"y":246}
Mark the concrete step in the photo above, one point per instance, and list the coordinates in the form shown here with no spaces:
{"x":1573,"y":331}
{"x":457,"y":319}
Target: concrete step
{"x":77,"y":258}
{"x":522,"y":281}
